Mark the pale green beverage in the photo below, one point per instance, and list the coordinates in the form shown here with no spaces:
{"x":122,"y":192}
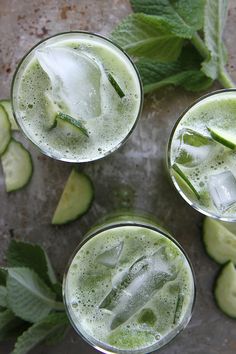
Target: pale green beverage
{"x":84,"y":77}
{"x":202,"y":157}
{"x":129,"y":287}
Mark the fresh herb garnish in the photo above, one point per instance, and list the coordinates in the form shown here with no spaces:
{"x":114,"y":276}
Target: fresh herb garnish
{"x":76,"y":123}
{"x":156,"y":35}
{"x":30,"y":305}
{"x":49,"y":328}
{"x":185,"y":72}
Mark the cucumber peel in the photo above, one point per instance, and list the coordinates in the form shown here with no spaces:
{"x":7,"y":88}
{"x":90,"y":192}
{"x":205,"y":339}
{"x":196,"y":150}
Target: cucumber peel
{"x":75,"y":200}
{"x":6,"y":104}
{"x":223,"y":137}
{"x":51,"y":112}
{"x":225,"y":290}
{"x":17,"y":166}
{"x":73,"y":122}
{"x":115,"y":84}
{"x":5,"y":130}
{"x":219,"y":241}
{"x":183,"y":181}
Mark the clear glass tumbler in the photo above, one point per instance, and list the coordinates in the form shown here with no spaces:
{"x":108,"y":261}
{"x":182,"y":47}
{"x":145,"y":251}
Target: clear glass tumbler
{"x":129,"y":286}
{"x":82,"y":78}
{"x":201,"y":156}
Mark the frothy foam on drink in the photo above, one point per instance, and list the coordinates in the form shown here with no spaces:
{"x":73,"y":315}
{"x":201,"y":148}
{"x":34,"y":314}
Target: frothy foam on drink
{"x":71,"y":71}
{"x":202,"y":158}
{"x":141,"y":300}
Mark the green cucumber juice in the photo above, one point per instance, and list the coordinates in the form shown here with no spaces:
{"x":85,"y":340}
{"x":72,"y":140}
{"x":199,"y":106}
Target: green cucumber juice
{"x":202,"y":147}
{"x":86,"y":77}
{"x":129,"y":288}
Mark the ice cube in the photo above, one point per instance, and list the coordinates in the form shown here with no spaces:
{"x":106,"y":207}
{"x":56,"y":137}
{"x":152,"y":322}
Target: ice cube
{"x":141,"y":282}
{"x":75,"y":80}
{"x":222,"y":188}
{"x":194,"y":148}
{"x":110,"y":257}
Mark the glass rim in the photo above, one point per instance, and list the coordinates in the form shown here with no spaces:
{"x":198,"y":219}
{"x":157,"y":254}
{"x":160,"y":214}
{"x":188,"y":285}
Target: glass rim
{"x":168,"y":159}
{"x":103,"y":347}
{"x":123,"y":141}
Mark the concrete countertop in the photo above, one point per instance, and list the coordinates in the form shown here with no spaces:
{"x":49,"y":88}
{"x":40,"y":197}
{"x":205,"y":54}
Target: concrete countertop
{"x":137,"y":168}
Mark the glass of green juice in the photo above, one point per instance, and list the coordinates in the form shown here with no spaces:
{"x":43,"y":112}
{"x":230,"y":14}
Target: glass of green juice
{"x":77,"y":96}
{"x":201,"y":155}
{"x":129,"y":286}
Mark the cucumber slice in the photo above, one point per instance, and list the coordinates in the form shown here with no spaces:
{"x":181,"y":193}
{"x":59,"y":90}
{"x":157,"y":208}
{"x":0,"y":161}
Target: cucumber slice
{"x":183,"y":182}
{"x":8,"y":108}
{"x":51,"y":112}
{"x":223,"y":137}
{"x":220,"y":243}
{"x":75,"y":200}
{"x":115,"y":84}
{"x":73,"y":122}
{"x":225,"y":290}
{"x":17,"y":166}
{"x":5,"y":130}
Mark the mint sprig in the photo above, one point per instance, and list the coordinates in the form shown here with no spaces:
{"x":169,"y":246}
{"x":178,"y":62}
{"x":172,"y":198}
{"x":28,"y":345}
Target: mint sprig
{"x":147,"y":36}
{"x":21,"y":254}
{"x":10,"y":325}
{"x":157,"y":34}
{"x":6,"y":317}
{"x":184,"y":72}
{"x":3,"y":296}
{"x":183,"y":17}
{"x":3,"y":277}
{"x":30,"y":298}
{"x":49,"y":327}
{"x":216,"y":59}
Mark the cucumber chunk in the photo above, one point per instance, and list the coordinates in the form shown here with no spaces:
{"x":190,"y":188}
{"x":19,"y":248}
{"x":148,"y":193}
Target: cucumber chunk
{"x":8,"y":108}
{"x":115,"y":85}
{"x":219,"y":241}
{"x":75,"y":199}
{"x":51,"y":112}
{"x":5,"y":130}
{"x":183,"y":182}
{"x":225,"y":290}
{"x":17,"y":166}
{"x":223,"y":137}
{"x":73,"y":122}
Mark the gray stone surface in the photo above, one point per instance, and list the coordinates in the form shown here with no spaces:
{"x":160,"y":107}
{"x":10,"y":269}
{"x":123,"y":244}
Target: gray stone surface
{"x":138,"y":166}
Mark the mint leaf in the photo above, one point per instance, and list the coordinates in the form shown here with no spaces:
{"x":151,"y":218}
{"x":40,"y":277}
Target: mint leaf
{"x":57,"y":289}
{"x":48,"y":327}
{"x":28,"y":296}
{"x":184,"y":72}
{"x":10,"y":325}
{"x":21,"y":254}
{"x":50,"y":271}
{"x":5,"y":318}
{"x":3,"y":277}
{"x":147,"y":36}
{"x":3,"y":296}
{"x":184,"y":17}
{"x":58,"y":335}
{"x":215,"y":17}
